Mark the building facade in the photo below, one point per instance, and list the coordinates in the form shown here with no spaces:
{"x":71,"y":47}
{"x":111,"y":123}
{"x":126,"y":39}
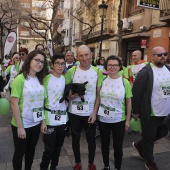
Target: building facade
{"x":142,"y":29}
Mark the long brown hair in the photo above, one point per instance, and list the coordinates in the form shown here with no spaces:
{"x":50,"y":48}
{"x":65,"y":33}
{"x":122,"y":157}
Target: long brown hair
{"x":26,"y":66}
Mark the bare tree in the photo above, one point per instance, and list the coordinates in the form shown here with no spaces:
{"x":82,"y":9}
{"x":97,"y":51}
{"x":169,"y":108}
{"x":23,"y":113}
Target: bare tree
{"x":40,"y":23}
{"x":8,"y":17}
{"x":91,"y":9}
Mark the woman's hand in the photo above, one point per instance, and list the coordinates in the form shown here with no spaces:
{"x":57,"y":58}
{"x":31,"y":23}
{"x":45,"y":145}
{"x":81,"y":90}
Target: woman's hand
{"x":21,"y":133}
{"x":127,"y":124}
{"x":92,"y":118}
{"x":43,"y":127}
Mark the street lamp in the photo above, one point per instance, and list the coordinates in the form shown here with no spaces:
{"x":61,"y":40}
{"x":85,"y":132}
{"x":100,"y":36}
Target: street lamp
{"x":102,"y":11}
{"x":63,"y":32}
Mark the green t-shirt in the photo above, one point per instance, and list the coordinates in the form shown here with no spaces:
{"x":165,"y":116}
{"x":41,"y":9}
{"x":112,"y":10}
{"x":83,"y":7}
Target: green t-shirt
{"x":113,"y":94}
{"x":94,"y":77}
{"x":31,"y":100}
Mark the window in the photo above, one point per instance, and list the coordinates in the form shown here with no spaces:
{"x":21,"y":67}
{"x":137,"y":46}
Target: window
{"x":25,"y":24}
{"x":25,"y":5}
{"x":24,"y":42}
{"x":40,"y":4}
{"x":133,"y":8}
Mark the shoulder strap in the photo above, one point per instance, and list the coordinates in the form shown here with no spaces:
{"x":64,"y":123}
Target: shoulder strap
{"x":123,"y":82}
{"x":167,"y":66}
{"x":74,"y":73}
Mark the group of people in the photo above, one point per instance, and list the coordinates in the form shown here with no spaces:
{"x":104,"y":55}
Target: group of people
{"x":36,"y":107}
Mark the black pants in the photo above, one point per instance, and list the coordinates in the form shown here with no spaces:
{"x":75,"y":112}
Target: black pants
{"x":152,"y":130}
{"x":25,"y":147}
{"x":77,"y":123}
{"x":2,"y":84}
{"x":118,"y":131}
{"x":53,"y":141}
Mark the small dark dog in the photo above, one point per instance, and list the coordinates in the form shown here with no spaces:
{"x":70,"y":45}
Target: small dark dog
{"x":78,"y":88}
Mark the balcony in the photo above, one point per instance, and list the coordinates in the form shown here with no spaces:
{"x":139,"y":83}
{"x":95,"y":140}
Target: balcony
{"x":80,"y":7}
{"x":164,"y":11}
{"x":60,"y":14}
{"x":77,"y":38}
{"x":107,"y":30}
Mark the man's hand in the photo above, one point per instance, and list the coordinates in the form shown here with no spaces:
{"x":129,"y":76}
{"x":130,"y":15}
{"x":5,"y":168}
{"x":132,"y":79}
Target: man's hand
{"x":73,"y":96}
{"x":135,"y":116}
{"x":92,"y":118}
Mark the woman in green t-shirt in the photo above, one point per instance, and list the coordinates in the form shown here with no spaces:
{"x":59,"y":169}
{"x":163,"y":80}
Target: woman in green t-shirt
{"x":115,"y":100}
{"x":27,"y":102}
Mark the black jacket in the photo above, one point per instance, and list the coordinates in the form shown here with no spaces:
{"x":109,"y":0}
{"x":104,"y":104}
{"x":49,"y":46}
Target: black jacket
{"x":142,"y":92}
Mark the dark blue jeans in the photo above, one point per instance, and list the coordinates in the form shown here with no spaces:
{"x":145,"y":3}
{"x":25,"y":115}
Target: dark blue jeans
{"x":152,"y":130}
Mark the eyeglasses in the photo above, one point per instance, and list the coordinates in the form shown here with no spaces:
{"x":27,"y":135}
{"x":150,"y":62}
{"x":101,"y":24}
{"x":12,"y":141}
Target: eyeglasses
{"x":21,"y":54}
{"x":112,"y":65}
{"x":63,"y":64}
{"x":17,"y":58}
{"x":160,"y":54}
{"x":38,"y":61}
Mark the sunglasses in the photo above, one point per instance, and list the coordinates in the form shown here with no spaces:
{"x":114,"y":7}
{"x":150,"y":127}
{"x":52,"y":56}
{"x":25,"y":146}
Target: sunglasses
{"x":17,"y":58}
{"x":21,"y":54}
{"x":160,"y":54}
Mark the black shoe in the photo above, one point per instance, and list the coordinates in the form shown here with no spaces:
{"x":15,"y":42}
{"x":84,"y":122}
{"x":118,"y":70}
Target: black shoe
{"x":53,"y":168}
{"x":139,"y":149}
{"x":106,"y":168}
{"x":151,"y":166}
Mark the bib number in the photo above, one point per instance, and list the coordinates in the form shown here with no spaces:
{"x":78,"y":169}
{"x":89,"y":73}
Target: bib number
{"x":80,"y":107}
{"x":38,"y":114}
{"x":59,"y":117}
{"x":106,"y":111}
{"x":166,"y":92}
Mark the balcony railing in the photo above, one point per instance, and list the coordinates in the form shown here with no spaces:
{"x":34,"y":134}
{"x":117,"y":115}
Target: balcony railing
{"x":164,"y":10}
{"x":95,"y":32}
{"x":77,"y":37}
{"x":79,"y":7}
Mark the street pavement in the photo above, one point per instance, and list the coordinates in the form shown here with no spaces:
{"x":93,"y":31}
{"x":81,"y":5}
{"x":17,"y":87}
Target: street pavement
{"x":131,"y":161}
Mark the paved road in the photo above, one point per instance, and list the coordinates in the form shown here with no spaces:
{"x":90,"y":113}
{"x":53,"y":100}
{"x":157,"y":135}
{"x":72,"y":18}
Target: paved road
{"x":130,"y":159}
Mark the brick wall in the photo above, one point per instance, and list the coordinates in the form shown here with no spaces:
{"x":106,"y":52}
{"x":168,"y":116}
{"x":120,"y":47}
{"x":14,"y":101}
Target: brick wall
{"x":159,"y":37}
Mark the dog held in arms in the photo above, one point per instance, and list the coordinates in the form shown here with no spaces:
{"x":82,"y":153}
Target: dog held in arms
{"x":78,"y":88}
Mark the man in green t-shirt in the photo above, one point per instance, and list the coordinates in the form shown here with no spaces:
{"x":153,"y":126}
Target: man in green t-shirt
{"x":84,"y":113}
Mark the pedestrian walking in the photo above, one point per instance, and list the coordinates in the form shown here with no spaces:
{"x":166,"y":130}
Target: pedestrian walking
{"x":150,"y":102}
{"x":55,"y":114}
{"x":12,"y":71}
{"x":83,"y":114}
{"x":115,"y":96}
{"x":27,"y":102}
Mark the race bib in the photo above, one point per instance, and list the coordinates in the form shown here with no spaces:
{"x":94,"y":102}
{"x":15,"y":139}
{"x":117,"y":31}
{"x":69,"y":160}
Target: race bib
{"x":38,"y":114}
{"x":58,"y":117}
{"x":106,"y":111}
{"x":165,"y":91}
{"x":80,"y":107}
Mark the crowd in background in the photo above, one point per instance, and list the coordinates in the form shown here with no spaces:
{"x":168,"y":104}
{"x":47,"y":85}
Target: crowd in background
{"x":113,"y":94}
